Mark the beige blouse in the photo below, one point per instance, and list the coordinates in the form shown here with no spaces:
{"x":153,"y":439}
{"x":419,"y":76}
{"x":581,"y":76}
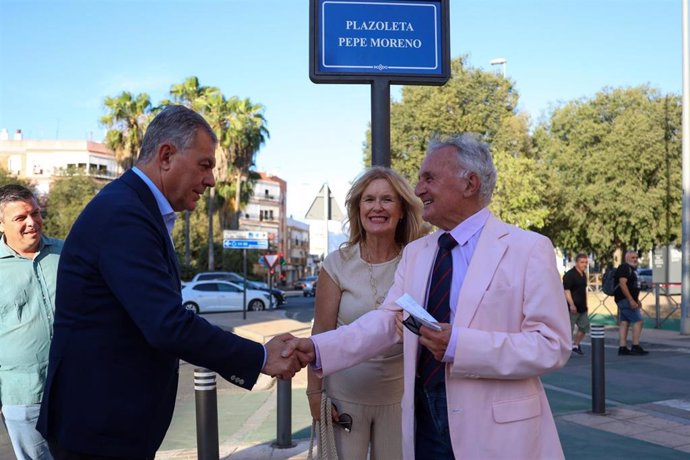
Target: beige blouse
{"x":378,"y":381}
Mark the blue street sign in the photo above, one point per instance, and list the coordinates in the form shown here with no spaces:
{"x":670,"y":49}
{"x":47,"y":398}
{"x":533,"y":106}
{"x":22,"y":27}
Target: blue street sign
{"x":382,"y":37}
{"x":245,"y":244}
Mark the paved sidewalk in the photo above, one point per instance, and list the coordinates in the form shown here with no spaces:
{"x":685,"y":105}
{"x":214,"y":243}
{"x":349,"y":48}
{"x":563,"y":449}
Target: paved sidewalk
{"x":647,"y":416}
{"x":658,"y":429}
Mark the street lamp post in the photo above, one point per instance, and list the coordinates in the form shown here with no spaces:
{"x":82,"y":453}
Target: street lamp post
{"x":685,"y":176}
{"x":502,"y":62}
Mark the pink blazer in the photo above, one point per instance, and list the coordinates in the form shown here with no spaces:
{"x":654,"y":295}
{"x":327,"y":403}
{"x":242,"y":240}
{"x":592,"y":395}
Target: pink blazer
{"x":513,"y":327}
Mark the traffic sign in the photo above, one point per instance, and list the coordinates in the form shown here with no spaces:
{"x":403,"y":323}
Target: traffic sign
{"x":245,"y":244}
{"x":244,"y":235}
{"x":271,"y":259}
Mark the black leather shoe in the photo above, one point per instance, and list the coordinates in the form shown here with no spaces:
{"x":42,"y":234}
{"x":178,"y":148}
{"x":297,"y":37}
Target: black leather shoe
{"x":578,"y":350}
{"x":623,"y":351}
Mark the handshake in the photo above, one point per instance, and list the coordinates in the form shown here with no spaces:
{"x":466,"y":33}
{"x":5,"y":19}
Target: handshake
{"x":287,"y":354}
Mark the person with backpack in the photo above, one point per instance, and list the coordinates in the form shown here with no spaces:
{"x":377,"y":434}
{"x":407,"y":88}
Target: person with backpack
{"x":575,"y":287}
{"x":627,"y":295}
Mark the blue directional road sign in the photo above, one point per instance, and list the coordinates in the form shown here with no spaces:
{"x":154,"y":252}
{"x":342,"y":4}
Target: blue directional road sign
{"x":245,"y":244}
{"x":241,"y":239}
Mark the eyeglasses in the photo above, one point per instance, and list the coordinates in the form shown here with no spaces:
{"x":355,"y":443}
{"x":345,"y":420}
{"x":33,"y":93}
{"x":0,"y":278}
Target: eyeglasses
{"x":412,"y":324}
{"x":345,"y":421}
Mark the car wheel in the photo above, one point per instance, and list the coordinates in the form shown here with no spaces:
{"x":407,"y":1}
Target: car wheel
{"x":256,"y":305}
{"x":306,"y":294}
{"x":191,"y":306}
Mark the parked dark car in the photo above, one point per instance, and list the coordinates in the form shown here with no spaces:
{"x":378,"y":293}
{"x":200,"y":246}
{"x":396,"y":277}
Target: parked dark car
{"x":644,"y":275}
{"x":278,"y":295}
{"x":309,"y":289}
{"x":301,"y":283}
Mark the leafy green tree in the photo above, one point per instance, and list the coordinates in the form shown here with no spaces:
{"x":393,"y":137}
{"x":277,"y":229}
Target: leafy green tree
{"x":67,"y":198}
{"x":480,"y":102}
{"x":198,"y":242}
{"x":126,"y":122}
{"x":6,"y":178}
{"x":614,"y":162}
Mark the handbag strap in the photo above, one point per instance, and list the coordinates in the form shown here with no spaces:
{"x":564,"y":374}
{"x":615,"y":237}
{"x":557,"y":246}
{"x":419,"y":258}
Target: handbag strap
{"x":326,"y":449}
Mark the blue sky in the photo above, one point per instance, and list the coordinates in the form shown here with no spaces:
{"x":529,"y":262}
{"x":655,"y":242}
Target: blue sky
{"x":59,"y":59}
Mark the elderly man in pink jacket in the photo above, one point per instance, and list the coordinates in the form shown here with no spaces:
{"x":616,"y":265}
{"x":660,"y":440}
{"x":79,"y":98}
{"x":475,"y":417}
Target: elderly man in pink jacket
{"x":472,"y":389}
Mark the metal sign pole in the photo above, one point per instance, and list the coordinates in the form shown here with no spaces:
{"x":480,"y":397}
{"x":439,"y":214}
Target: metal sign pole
{"x":244,"y":291}
{"x":337,"y":44}
{"x":270,"y":288}
{"x":381,"y":122}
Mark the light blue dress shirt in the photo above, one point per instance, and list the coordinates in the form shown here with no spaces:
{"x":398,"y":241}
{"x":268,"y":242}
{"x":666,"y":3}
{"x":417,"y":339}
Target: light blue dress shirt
{"x":164,"y":206}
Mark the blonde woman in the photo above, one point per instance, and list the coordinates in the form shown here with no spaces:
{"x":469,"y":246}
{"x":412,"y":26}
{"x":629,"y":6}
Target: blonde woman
{"x":384,"y":215}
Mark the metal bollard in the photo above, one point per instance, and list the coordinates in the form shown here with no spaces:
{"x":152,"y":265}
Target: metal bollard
{"x":598,"y":376}
{"x":284,"y":426}
{"x":206,"y":414}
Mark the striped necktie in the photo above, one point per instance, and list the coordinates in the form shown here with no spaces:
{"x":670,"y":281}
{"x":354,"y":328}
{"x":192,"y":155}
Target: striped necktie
{"x":430,"y":370}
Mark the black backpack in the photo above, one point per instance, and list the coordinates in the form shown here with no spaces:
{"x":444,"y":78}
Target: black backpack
{"x":608,"y":283}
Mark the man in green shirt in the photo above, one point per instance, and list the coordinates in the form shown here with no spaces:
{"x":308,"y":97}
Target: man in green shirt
{"x":28,"y":270}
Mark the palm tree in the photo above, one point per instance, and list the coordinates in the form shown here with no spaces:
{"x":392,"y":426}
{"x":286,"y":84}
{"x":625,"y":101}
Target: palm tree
{"x":126,"y":124}
{"x":240,"y":127}
{"x":190,"y":94}
{"x":217,"y":111}
{"x":247,"y":133}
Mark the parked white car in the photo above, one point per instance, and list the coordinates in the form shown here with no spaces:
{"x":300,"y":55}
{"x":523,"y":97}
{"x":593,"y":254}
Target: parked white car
{"x":217,"y":295}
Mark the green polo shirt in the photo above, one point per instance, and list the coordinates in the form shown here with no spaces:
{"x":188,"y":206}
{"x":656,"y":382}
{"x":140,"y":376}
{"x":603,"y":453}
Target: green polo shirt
{"x":27,"y":308}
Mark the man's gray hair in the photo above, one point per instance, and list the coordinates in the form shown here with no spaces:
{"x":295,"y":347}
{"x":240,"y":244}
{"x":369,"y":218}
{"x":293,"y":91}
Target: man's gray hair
{"x":473,"y":156}
{"x":175,"y":124}
{"x":14,"y":192}
{"x":628,"y":253}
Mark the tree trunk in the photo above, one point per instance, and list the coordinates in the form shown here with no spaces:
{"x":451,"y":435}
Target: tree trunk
{"x":238,"y":213}
{"x":211,"y":261}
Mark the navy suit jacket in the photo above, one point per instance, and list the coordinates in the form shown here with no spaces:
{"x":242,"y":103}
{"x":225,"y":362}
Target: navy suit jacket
{"x":120,"y":328}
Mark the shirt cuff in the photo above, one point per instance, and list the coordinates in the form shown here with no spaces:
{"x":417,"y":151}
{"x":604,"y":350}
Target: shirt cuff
{"x":316,"y":365}
{"x":449,"y":356}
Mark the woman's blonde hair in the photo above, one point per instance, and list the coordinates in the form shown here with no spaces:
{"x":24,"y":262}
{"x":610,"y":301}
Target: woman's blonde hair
{"x":410,"y":225}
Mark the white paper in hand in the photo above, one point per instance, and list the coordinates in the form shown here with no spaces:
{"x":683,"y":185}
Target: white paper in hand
{"x":407,"y":303}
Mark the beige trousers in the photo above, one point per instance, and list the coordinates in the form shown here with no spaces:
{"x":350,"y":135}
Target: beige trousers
{"x":378,"y":428}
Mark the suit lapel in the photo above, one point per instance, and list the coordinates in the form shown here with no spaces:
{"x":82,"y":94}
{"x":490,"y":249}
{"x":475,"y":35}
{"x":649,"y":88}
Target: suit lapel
{"x":487,"y":255}
{"x":149,"y":201}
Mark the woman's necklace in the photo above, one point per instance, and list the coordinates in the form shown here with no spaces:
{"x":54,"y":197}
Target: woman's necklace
{"x":378,"y":300}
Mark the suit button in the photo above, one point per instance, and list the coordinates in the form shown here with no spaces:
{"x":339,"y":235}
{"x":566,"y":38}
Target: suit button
{"x":241,"y":381}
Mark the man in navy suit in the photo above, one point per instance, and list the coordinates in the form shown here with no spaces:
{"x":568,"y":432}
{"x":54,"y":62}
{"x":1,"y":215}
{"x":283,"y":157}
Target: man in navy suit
{"x":120,"y":327}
